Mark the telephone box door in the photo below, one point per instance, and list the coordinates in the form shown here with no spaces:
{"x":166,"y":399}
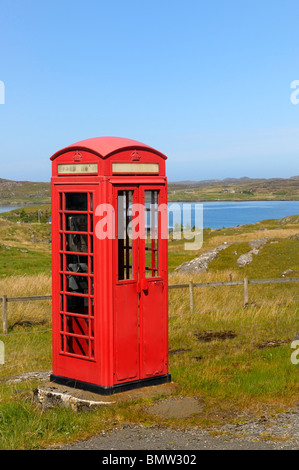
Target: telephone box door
{"x":140,"y":300}
{"x":153,"y":263}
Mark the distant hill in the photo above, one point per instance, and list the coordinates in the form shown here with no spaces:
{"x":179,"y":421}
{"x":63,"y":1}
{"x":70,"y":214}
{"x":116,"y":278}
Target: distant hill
{"x":236,"y":189}
{"x":194,"y":184}
{"x":24,"y":192}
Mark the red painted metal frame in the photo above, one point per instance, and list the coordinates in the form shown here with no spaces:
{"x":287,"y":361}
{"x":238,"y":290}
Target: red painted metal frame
{"x":112,"y":298}
{"x":65,"y":363}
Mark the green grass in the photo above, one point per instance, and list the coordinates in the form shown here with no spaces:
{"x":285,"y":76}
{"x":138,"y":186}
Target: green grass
{"x":29,"y":214}
{"x":271,"y":262}
{"x":15,"y":261}
{"x":231,"y":376}
{"x":22,"y":192}
{"x":235,"y":375}
{"x":25,"y":426}
{"x":25,"y":246}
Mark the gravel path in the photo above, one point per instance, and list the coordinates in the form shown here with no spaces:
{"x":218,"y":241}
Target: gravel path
{"x":267,"y":434}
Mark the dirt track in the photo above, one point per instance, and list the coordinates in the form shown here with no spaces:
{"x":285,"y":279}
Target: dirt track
{"x":267,"y":434}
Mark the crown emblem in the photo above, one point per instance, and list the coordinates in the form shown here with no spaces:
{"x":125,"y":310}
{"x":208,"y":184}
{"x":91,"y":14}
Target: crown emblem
{"x":77,"y":157}
{"x":135,"y":157}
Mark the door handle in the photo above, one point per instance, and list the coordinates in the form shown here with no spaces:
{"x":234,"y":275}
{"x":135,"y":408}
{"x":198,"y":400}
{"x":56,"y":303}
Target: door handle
{"x":144,"y":284}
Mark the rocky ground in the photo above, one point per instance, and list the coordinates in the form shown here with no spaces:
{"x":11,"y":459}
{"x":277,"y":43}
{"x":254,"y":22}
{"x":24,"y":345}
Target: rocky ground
{"x":201,"y":264}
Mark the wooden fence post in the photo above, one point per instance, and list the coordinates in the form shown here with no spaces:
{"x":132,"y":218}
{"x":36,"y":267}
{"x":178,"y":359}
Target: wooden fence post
{"x":191,"y":296}
{"x":4,"y":314}
{"x":246,"y":299}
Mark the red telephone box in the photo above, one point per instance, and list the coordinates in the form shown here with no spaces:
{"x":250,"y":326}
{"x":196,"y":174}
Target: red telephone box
{"x":109,"y":265}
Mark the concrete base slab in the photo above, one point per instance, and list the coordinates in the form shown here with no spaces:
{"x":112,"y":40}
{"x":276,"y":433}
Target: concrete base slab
{"x":50,"y":394}
{"x":176,"y":407}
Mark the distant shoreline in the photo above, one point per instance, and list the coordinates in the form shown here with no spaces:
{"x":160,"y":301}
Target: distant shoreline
{"x":26,"y":204}
{"x":236,"y":200}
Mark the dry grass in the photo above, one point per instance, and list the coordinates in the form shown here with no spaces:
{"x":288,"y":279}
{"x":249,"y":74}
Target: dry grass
{"x":243,"y":370}
{"x":267,"y":302}
{"x":231,"y":375}
{"x":250,"y":236}
{"x":28,"y":313}
{"x":14,"y":286}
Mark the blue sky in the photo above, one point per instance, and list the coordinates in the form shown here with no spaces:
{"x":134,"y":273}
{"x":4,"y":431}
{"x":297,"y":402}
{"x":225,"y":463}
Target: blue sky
{"x":207,"y":83}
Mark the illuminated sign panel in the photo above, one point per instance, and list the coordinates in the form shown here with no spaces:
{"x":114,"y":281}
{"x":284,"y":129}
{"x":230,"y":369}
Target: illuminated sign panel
{"x":78,"y":168}
{"x":135,"y":167}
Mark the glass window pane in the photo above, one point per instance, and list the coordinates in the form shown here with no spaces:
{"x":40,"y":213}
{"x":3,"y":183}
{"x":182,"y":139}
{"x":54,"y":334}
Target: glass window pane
{"x":125,"y":242}
{"x":62,"y":343}
{"x":76,"y":243}
{"x":78,"y":346}
{"x":91,"y":265}
{"x":92,"y":349}
{"x":77,"y":284}
{"x":152,"y":231}
{"x":91,"y":244}
{"x":77,"y":263}
{"x":77,"y":288}
{"x":77,"y":304}
{"x":77,"y":325}
{"x":76,"y":222}
{"x":76,"y":201}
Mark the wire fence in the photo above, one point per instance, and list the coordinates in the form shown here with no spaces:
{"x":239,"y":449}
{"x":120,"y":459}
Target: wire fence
{"x":5,"y":300}
{"x":235,"y":309}
{"x":190,"y":286}
{"x":245,"y":283}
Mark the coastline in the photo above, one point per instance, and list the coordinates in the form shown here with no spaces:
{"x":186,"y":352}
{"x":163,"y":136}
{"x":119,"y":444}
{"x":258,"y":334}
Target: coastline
{"x":234,"y":200}
{"x":26,"y":204}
